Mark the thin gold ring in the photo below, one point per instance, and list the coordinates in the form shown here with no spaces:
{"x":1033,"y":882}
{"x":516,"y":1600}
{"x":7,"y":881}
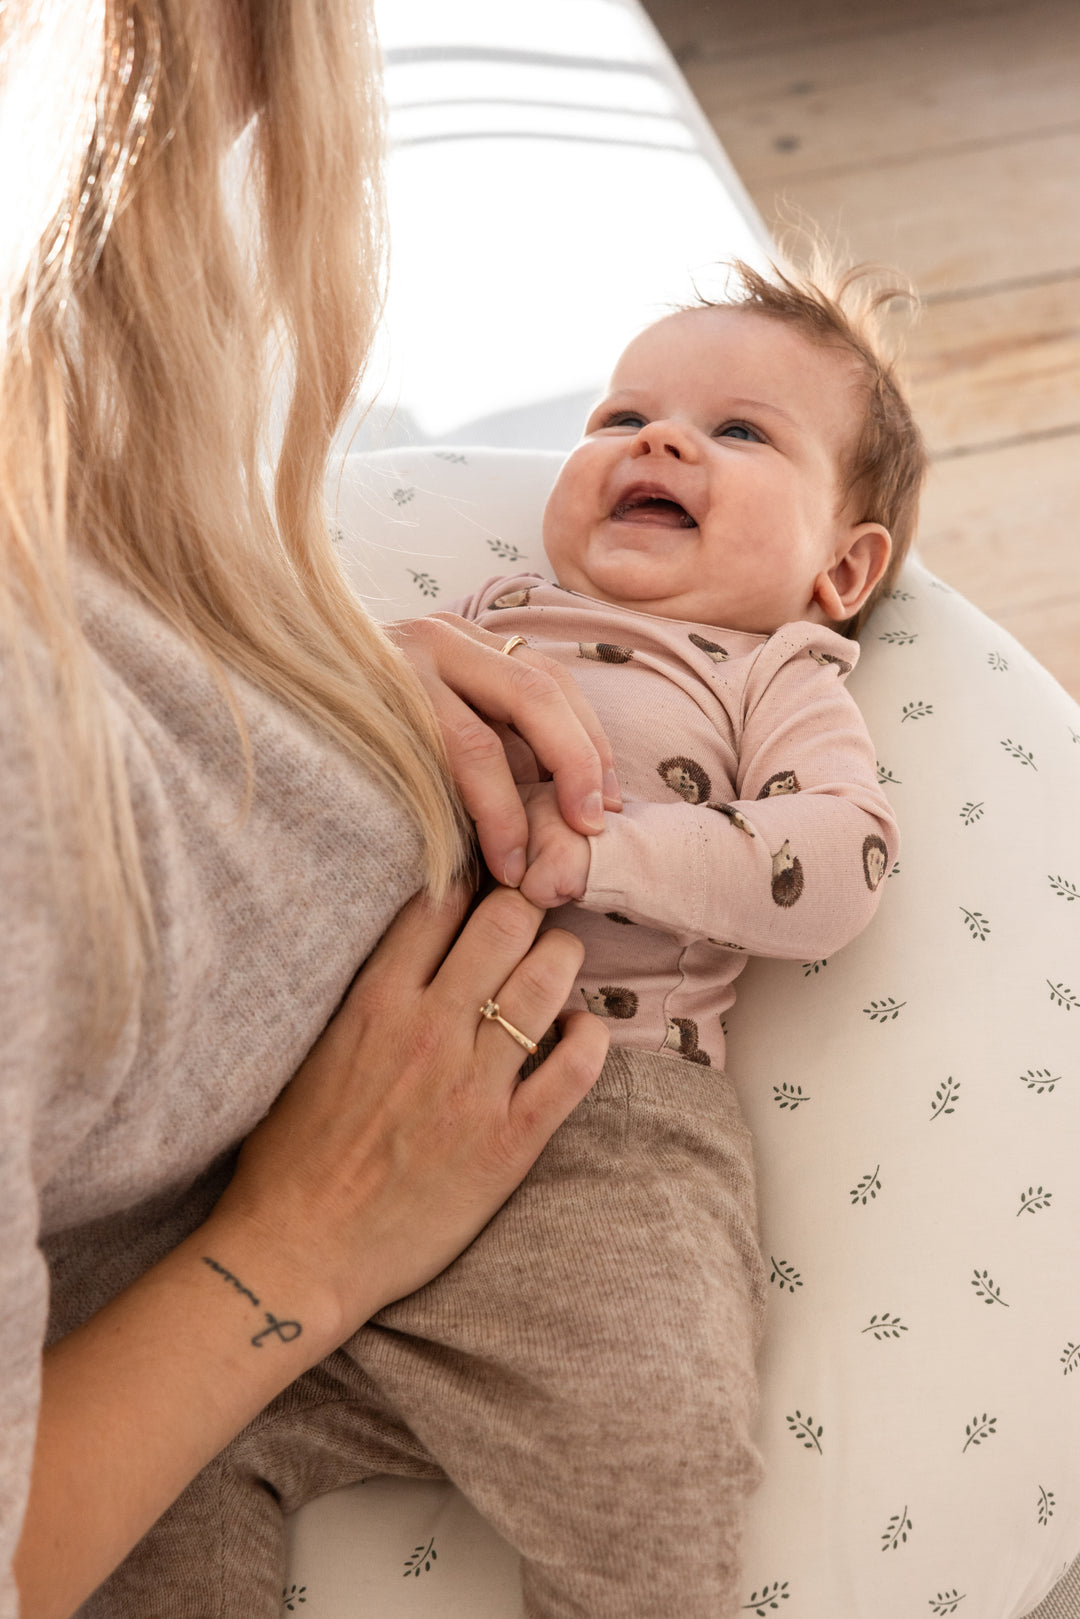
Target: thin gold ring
{"x":515,"y":640}
{"x":490,"y":1010}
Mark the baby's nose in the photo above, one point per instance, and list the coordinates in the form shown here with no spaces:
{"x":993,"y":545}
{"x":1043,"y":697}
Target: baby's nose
{"x":661,"y":438}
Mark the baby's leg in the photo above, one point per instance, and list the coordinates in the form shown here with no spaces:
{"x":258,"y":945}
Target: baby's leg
{"x":585,"y":1371}
{"x":219,"y":1551}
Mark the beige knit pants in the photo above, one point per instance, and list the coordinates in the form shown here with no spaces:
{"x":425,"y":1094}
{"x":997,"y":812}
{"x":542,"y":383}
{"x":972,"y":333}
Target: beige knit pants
{"x":584,"y":1373}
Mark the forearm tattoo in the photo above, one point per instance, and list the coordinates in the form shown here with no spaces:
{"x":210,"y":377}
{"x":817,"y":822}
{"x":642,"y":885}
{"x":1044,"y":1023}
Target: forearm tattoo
{"x":285,"y":1330}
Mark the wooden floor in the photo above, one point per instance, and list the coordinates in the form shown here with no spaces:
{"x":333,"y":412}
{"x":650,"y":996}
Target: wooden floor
{"x":942,"y":136}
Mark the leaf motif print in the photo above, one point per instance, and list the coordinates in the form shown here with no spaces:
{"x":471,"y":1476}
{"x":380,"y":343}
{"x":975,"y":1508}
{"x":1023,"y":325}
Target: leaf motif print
{"x":1046,"y":1506}
{"x":978,"y":926}
{"x":1067,"y":891}
{"x":915,"y":711}
{"x":292,"y":1596}
{"x":1017,"y":752}
{"x":784,"y":1275}
{"x":768,"y":1600}
{"x":504,"y":550}
{"x":945,"y":1099}
{"x":420,"y":1559}
{"x":868,"y":1187}
{"x":1062,"y":995}
{"x":811,"y":967}
{"x":979,"y":1429}
{"x":886,"y":778}
{"x":882,"y":1011}
{"x":401,"y":497}
{"x":424,"y":582}
{"x":885,"y":1326}
{"x":1039,"y":1080}
{"x":896,"y":1531}
{"x":972,"y":812}
{"x":997,"y":662}
{"x":987,"y":1289}
{"x":945,"y":1602}
{"x":1070,"y":1358}
{"x":899,"y":637}
{"x":1034,"y":1198}
{"x":789,"y":1096}
{"x":803,"y":1429}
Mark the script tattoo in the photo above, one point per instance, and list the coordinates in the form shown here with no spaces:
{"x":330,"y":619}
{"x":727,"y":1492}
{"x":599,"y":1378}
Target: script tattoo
{"x":286,"y":1331}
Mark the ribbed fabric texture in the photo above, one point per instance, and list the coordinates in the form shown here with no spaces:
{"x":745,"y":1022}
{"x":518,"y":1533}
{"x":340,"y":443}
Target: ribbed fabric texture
{"x":584,"y":1373}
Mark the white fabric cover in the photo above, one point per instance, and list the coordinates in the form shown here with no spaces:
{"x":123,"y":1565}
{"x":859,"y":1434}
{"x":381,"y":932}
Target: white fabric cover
{"x":915,"y":1103}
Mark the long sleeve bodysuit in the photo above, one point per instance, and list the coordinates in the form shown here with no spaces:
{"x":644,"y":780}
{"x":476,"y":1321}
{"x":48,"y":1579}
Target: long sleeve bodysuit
{"x":753,"y":822}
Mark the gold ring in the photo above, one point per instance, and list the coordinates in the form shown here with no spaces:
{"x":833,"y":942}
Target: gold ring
{"x":515,"y":640}
{"x":490,"y":1010}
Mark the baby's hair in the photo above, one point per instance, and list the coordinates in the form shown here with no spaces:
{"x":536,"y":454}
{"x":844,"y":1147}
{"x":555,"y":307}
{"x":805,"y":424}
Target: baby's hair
{"x":842,"y":308}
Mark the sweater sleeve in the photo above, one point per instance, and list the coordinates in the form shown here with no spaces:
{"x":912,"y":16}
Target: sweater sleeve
{"x":794,"y":865}
{"x":37,"y":1020}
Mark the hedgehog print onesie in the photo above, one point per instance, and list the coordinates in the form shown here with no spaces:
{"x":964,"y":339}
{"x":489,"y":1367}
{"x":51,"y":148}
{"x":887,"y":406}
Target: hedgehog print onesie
{"x":584,"y":1372}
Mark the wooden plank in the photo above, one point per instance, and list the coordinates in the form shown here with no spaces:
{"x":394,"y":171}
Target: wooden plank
{"x":1052,"y":634}
{"x":1003,"y":526}
{"x":939,"y":81}
{"x":954,"y":220}
{"x":1004,"y":529}
{"x":694,"y":28}
{"x":998,"y":366}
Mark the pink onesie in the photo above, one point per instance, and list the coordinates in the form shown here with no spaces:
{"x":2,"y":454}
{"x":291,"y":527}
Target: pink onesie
{"x":753,"y":822}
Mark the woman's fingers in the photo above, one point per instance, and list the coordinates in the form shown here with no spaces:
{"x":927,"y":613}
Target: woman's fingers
{"x":531,"y":996}
{"x":417,"y":940}
{"x":544,"y":705}
{"x":552,"y":1092}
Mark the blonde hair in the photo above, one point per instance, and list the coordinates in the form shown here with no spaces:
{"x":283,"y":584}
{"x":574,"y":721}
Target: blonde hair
{"x":135,"y":380}
{"x":887,"y":462}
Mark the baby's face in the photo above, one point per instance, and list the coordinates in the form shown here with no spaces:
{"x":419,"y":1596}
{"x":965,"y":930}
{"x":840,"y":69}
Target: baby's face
{"x":708,"y":484}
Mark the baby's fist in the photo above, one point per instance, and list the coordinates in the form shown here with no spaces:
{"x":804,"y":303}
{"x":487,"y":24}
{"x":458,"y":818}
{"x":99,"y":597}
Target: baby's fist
{"x":558,"y":857}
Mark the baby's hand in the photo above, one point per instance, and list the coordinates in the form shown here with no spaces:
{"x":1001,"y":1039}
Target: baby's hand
{"x":558,"y":857}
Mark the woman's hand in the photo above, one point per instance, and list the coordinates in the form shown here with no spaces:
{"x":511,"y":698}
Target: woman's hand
{"x":407,"y":1127}
{"x":469,"y":682}
{"x":399,"y":1138}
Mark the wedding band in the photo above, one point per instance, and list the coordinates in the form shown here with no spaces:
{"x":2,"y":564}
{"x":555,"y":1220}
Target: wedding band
{"x":515,"y":640}
{"x":490,"y":1010}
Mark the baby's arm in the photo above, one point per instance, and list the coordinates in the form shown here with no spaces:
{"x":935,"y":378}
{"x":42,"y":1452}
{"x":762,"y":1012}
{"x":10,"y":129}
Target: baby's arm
{"x":794,"y":865}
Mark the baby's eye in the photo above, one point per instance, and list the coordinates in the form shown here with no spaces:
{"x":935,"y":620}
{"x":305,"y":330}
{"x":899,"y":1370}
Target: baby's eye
{"x":740,"y":430}
{"x":624,"y":418}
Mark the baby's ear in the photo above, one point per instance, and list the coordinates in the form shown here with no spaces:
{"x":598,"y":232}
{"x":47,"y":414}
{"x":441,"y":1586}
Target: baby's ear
{"x":863,"y":558}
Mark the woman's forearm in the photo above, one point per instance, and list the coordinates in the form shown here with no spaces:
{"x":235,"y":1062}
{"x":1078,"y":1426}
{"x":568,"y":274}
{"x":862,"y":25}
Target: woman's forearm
{"x":402,"y":1133}
{"x":135,"y":1402}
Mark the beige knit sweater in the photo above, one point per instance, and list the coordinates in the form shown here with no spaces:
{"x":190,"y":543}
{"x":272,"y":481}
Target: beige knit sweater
{"x":262,"y":923}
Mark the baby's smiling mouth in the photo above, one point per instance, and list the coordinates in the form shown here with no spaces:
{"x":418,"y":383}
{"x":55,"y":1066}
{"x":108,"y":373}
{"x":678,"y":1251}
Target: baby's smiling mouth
{"x":652,"y":510}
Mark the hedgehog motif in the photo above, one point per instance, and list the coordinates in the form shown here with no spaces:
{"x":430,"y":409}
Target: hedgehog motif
{"x":710,"y":648}
{"x":610,"y":1000}
{"x":685,"y":777}
{"x":736,"y":817}
{"x":787,"y":875}
{"x":682,"y":1036}
{"x":604,"y":652}
{"x":513,"y":598}
{"x":785,"y":781}
{"x":875,"y":860}
{"x":842,"y":668}
{"x":617,"y":916}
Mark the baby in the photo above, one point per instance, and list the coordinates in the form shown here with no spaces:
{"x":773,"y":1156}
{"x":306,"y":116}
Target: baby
{"x":585,"y":1370}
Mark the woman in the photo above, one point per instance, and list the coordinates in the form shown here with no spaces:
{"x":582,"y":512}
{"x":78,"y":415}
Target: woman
{"x":221,"y":782}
